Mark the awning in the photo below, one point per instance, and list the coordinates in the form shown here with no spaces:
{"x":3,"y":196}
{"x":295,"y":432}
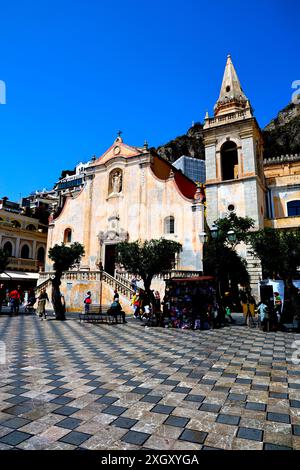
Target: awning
{"x":19,"y":276}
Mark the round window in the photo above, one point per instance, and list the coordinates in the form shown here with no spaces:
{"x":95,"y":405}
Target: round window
{"x":231,"y":207}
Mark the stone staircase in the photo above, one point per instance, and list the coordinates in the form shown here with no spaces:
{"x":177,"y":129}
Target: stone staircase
{"x":78,"y":282}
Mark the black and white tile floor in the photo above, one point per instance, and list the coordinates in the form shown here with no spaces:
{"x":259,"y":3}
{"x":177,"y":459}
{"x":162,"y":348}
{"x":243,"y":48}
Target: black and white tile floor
{"x":67,"y":385}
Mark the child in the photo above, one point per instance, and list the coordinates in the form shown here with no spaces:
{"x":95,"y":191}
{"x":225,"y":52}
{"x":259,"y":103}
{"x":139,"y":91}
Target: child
{"x":87,"y":302}
{"x":228,"y":315}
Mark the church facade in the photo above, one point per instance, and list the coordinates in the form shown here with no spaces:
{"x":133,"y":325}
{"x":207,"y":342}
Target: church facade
{"x":129,"y":194}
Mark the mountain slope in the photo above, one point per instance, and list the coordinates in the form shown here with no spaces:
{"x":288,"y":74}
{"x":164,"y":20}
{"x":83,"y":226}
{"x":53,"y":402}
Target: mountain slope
{"x":281,"y":136}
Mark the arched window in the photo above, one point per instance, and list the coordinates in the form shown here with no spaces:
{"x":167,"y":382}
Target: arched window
{"x":25,"y":252}
{"x":41,"y":254}
{"x":8,"y":248}
{"x":16,"y":224}
{"x":170,"y":224}
{"x":293,"y":208}
{"x":31,"y":227}
{"x":68,"y":235}
{"x":229,"y":161}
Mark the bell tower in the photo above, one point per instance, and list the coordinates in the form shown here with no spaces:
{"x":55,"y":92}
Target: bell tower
{"x":234,"y":155}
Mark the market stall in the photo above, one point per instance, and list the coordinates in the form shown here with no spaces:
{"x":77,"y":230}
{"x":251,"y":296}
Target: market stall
{"x":189,"y":302}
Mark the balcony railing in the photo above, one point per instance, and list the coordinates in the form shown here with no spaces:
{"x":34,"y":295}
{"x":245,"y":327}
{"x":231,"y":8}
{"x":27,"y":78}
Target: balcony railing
{"x":23,"y":264}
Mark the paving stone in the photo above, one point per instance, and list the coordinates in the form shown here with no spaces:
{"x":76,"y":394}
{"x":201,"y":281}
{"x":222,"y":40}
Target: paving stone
{"x":163,"y":409}
{"x":151,"y":399}
{"x":211,"y":407}
{"x":278,"y":417}
{"x":125,"y":423}
{"x":69,"y":423}
{"x":66,"y":410}
{"x":296,"y":430}
{"x":256,"y":406}
{"x":15,"y":437}
{"x":16,"y":423}
{"x":275,"y":447}
{"x":135,"y":437}
{"x":251,"y":434}
{"x":107,"y":400}
{"x":197,"y":437}
{"x":237,"y":397}
{"x":114,"y":410}
{"x":295,"y":403}
{"x":176,"y":421}
{"x":184,"y":390}
{"x":62,"y":400}
{"x":195,"y":398}
{"x":75,"y":438}
{"x":228,"y":419}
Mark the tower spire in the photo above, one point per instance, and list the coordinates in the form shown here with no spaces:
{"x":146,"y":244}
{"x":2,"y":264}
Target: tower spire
{"x":231,"y":98}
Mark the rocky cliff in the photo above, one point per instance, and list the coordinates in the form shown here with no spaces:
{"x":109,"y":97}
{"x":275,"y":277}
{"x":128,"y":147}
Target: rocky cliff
{"x":190,"y":144}
{"x":281,"y":136}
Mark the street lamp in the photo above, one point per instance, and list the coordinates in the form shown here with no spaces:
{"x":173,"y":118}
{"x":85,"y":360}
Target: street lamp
{"x":214,"y":231}
{"x":231,"y":236}
{"x":100,"y":265}
{"x":203,"y":237}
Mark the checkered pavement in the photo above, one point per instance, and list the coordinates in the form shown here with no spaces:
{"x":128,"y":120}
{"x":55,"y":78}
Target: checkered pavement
{"x":67,"y":385}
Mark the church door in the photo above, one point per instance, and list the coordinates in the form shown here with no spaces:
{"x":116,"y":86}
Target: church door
{"x":110,"y":259}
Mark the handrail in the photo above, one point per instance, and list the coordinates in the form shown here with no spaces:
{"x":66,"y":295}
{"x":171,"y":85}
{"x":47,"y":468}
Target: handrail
{"x":122,"y":286}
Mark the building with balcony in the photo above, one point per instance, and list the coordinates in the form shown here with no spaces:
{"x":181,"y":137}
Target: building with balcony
{"x":282,"y":176}
{"x":24,"y":239}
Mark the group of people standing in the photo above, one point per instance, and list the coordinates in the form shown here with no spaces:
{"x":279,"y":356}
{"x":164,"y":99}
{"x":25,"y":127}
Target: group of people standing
{"x":15,"y":298}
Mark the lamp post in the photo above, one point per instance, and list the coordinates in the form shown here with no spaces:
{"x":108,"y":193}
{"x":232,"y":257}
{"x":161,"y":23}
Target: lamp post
{"x":214,"y":232}
{"x":100,"y":265}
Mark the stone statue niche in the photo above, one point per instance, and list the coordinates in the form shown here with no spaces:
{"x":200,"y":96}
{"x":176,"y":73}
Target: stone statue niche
{"x":115,"y":182}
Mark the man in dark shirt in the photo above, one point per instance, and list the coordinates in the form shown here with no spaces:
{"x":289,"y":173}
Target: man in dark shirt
{"x":116,"y":309}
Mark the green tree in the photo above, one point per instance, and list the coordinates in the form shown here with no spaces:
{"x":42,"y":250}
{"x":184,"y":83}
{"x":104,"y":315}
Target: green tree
{"x":149,"y":258}
{"x":220,"y":257}
{"x":279,"y":253}
{"x":64,"y":257}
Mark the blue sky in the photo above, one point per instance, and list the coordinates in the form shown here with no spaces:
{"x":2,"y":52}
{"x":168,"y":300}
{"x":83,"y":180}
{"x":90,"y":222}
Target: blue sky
{"x":78,"y":71}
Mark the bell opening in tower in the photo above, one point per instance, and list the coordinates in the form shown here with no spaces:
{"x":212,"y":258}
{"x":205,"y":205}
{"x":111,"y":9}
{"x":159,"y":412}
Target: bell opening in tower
{"x":229,"y":161}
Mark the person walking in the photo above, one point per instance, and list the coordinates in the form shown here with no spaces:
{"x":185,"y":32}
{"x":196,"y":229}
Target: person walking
{"x":134,"y":284}
{"x":228,"y":316}
{"x":2,"y":295}
{"x":263,"y":315}
{"x":277,"y":305}
{"x":136,"y":304}
{"x":87,"y":301}
{"x":21,"y":298}
{"x":157,"y":308}
{"x":14,"y":300}
{"x":41,"y":307}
